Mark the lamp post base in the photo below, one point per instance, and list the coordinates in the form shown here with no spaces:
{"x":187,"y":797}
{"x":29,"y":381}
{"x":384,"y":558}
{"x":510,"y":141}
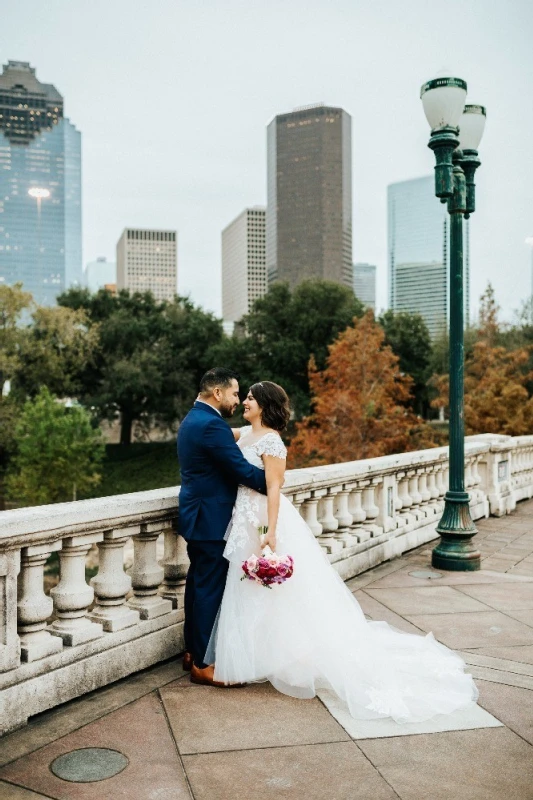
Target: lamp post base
{"x":456,"y":551}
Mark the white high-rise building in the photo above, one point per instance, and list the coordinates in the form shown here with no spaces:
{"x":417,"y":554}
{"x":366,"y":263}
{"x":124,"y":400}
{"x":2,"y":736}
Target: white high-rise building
{"x":418,"y":253}
{"x":147,"y":262}
{"x":364,"y":284}
{"x":244,"y":277}
{"x":99,"y":274}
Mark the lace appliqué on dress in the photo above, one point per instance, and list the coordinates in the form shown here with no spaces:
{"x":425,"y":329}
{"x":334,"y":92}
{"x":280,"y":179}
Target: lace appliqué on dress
{"x":271,"y":445}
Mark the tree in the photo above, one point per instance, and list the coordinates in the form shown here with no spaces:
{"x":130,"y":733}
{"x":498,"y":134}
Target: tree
{"x":359,"y":403}
{"x":408,"y":337}
{"x":150,"y":355}
{"x":283,"y":330}
{"x":496,"y":395}
{"x":59,"y":453}
{"x":13,"y":303}
{"x":59,"y":345}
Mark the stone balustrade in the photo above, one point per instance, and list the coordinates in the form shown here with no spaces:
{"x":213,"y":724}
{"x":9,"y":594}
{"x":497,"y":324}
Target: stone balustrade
{"x":85,"y":635}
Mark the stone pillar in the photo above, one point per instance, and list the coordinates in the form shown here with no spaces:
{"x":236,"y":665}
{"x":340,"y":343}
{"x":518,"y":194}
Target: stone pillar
{"x":147,"y":574}
{"x":175,"y":568}
{"x":310,"y":515}
{"x":9,"y":639}
{"x":111,"y":584}
{"x":355,"y":507}
{"x":344,"y":518}
{"x":329,"y":523}
{"x":33,"y":606}
{"x":72,"y":596}
{"x":371,"y":509}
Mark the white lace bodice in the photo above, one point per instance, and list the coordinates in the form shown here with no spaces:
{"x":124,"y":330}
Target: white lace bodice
{"x":270,"y":444}
{"x":250,"y":509}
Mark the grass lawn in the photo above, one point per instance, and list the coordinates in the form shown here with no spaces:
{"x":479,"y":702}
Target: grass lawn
{"x":138,"y":468}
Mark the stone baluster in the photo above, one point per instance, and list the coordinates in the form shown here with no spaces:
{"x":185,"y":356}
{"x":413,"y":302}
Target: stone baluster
{"x":344,"y":518}
{"x":433,"y":489}
{"x":111,"y":584}
{"x":147,"y":574}
{"x":310,"y":512}
{"x":33,"y":607}
{"x":355,"y":507}
{"x":72,"y":596}
{"x":9,"y":638}
{"x":414,"y":494}
{"x":329,"y":522}
{"x":175,"y":566}
{"x":371,"y":509}
{"x":476,"y":480}
{"x":425,"y":494}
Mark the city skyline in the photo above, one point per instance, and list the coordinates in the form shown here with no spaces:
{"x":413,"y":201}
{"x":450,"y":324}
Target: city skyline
{"x":151,"y":170}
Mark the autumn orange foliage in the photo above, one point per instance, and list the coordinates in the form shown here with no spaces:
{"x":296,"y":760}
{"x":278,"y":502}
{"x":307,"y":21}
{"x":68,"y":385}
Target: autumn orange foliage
{"x":359,"y":403}
{"x":496,"y":396}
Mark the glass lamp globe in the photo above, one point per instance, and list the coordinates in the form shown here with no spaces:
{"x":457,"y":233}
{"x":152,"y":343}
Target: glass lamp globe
{"x":443,"y":100}
{"x":471,"y":127}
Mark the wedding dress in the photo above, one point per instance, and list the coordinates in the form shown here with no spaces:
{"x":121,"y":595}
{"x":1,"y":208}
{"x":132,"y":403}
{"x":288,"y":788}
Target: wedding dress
{"x":310,"y":633}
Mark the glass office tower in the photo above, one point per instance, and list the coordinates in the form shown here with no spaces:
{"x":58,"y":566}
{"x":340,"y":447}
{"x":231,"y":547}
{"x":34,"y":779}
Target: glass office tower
{"x":418,"y":253}
{"x":40,"y":187}
{"x":309,"y":188}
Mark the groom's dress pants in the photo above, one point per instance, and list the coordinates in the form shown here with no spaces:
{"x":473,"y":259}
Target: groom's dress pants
{"x":204,"y":588}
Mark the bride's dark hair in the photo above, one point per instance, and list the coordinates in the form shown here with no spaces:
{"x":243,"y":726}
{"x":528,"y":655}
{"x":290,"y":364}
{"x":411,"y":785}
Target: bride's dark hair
{"x":274,"y":404}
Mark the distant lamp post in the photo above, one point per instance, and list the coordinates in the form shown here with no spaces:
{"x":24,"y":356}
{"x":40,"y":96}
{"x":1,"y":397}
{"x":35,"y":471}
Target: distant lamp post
{"x":529,"y":241}
{"x":456,"y":131}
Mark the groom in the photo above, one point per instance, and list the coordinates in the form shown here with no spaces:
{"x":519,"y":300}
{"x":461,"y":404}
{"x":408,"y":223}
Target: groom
{"x":212,"y":467}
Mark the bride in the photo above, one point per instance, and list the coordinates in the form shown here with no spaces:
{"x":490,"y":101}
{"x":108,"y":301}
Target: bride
{"x":310,"y":633}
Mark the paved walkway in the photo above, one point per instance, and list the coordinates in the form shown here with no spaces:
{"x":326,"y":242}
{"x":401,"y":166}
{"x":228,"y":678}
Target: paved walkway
{"x":175,"y":740}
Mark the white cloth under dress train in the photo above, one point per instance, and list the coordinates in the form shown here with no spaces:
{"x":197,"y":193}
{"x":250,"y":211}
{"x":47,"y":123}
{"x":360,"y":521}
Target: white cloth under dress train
{"x":310,"y":632}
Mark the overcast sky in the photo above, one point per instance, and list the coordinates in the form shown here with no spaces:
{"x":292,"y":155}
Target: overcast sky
{"x":173,"y":98}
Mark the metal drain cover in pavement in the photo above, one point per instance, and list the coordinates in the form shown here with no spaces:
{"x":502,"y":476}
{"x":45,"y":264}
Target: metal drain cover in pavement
{"x":425,"y":573}
{"x":89,"y":764}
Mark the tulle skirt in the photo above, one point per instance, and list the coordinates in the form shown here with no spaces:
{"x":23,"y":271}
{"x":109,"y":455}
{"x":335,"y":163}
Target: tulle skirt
{"x":310,"y":634}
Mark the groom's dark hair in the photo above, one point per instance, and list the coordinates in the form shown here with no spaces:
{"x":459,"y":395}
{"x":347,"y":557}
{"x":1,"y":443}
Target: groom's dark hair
{"x":218,"y":376}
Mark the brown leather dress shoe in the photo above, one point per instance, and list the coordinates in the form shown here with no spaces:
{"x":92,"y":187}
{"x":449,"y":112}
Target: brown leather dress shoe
{"x":205,"y":677}
{"x":187,"y":661}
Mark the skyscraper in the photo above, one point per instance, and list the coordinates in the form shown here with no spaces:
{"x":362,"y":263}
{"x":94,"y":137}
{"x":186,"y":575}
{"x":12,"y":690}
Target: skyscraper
{"x":418,"y":253}
{"x":243,"y":263}
{"x":309,"y":187}
{"x":147,"y":262}
{"x":40,"y":186}
{"x":364,"y":284}
{"x":100,"y":273}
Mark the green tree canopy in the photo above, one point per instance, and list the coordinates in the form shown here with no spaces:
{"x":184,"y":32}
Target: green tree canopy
{"x":408,"y":337}
{"x":59,"y":453}
{"x":283,"y":330}
{"x":150,"y":355}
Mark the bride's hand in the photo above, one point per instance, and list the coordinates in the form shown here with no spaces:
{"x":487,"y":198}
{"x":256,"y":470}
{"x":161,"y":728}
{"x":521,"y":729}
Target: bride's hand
{"x":269,"y":539}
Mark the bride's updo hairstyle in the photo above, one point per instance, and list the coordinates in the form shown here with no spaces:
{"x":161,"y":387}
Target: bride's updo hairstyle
{"x":274,"y":404}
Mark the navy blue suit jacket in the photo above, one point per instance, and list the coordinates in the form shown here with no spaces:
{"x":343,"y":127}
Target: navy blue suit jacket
{"x":212,"y":467}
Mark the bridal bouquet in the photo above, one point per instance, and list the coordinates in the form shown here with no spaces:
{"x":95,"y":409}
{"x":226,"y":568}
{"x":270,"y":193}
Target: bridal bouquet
{"x":268,"y":568}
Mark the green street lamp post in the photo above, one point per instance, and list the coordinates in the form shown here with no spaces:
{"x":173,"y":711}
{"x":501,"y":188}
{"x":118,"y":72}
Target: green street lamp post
{"x":456,"y":131}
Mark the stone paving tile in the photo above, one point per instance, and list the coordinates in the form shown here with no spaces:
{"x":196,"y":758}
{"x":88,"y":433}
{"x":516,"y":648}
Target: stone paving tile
{"x":338,"y":771}
{"x":474,"y":629}
{"x":57,"y":722}
{"x":463,"y":765}
{"x":402,"y":578}
{"x":432,"y":599}
{"x":521,"y":654}
{"x":9,"y":791}
{"x":380,"y":613}
{"x":206,"y":719}
{"x":139,"y":731}
{"x":510,"y":704}
{"x":498,"y":596}
{"x":525,"y":616}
